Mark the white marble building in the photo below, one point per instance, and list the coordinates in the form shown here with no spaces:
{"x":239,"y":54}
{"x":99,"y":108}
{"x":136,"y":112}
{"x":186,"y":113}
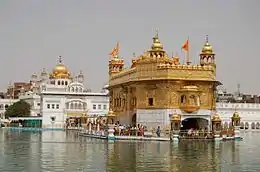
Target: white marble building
{"x":4,"y":104}
{"x":58,"y":96}
{"x":249,"y":113}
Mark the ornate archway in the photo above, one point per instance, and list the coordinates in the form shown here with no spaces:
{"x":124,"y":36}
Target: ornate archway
{"x":195,"y":123}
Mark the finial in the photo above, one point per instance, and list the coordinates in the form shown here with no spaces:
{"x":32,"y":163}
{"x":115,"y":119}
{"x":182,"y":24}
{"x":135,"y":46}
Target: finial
{"x":60,"y":59}
{"x":156,"y":31}
{"x":207,"y":38}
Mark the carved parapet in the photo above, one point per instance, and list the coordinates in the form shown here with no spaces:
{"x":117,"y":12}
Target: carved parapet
{"x":185,"y":67}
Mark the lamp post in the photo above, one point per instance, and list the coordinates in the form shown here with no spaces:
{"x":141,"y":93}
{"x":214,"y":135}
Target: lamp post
{"x":110,"y":125}
{"x":236,"y":124}
{"x":175,"y":126}
{"x":216,"y":126}
{"x":52,"y":120}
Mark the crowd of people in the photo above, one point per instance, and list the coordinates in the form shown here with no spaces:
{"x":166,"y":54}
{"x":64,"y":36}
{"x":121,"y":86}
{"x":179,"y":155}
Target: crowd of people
{"x":131,"y":130}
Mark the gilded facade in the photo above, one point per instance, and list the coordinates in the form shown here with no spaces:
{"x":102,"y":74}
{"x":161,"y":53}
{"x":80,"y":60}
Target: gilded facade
{"x":156,"y":85}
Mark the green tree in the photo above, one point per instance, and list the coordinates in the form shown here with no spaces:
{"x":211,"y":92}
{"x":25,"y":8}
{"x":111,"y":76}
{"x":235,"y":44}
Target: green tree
{"x":18,"y":109}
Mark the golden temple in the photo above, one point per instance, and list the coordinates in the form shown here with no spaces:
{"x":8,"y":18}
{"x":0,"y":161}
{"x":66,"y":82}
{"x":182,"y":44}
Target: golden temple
{"x":156,"y":85}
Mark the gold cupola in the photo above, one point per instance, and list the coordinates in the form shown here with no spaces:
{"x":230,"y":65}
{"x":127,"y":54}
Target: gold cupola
{"x":207,"y":48}
{"x":157,"y":45}
{"x":207,"y":55}
{"x":216,"y":117}
{"x":60,"y":71}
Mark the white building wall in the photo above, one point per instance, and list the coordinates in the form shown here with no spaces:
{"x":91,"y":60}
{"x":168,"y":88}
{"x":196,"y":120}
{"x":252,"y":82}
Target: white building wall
{"x":161,"y":117}
{"x":249,"y":113}
{"x":97,"y":104}
{"x":53,"y":106}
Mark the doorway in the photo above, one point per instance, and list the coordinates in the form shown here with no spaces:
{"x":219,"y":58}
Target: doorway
{"x":195,"y":123}
{"x":134,"y":119}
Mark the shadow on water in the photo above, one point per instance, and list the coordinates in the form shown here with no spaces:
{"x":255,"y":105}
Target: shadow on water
{"x":65,"y":151}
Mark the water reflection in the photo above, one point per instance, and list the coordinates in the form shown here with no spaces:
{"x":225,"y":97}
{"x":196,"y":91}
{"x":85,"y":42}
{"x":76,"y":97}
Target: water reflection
{"x":65,"y":151}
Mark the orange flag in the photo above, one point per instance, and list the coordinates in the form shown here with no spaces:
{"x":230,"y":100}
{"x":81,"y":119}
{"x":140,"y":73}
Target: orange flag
{"x":112,"y":52}
{"x":185,"y":46}
{"x":115,"y":50}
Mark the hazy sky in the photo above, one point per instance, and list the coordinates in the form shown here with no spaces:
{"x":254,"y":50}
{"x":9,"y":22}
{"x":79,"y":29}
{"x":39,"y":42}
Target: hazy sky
{"x":34,"y":33}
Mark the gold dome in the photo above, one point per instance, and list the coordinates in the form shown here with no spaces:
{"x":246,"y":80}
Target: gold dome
{"x":175,"y":117}
{"x":216,"y":117}
{"x":60,"y":71}
{"x":207,"y":48}
{"x":236,"y":115}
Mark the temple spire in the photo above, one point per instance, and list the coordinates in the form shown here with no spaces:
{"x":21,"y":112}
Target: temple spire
{"x":60,"y":59}
{"x":156,"y":32}
{"x":207,"y":39}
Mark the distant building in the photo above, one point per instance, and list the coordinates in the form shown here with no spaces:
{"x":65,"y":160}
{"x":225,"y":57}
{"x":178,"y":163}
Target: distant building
{"x":248,"y":107}
{"x":57,"y":96}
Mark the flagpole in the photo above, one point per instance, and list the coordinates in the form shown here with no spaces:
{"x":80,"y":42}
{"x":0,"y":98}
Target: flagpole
{"x":188,"y":52}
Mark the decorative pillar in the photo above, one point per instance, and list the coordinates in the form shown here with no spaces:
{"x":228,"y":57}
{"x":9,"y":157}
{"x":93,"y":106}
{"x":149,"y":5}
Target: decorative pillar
{"x":216,"y":126}
{"x":236,"y":124}
{"x":175,"y":126}
{"x":98,"y":127}
{"x":85,"y":120}
{"x":89,"y":127}
{"x":110,"y":125}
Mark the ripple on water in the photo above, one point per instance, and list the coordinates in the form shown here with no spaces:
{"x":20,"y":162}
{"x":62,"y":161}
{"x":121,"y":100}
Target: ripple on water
{"x":64,"y":151}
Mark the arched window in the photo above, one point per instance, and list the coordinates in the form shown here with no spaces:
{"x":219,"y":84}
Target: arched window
{"x":183,"y":99}
{"x":62,"y":82}
{"x":80,"y":106}
{"x":71,"y":105}
{"x":76,"y":105}
{"x":253,"y":126}
{"x":209,"y":59}
{"x":192,"y":99}
{"x":77,"y":89}
{"x":80,"y":89}
{"x":246,"y":125}
{"x":67,"y":105}
{"x":72,"y":89}
{"x":257,"y":126}
{"x":66,"y":82}
{"x":58,"y":82}
{"x":242,"y":125}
